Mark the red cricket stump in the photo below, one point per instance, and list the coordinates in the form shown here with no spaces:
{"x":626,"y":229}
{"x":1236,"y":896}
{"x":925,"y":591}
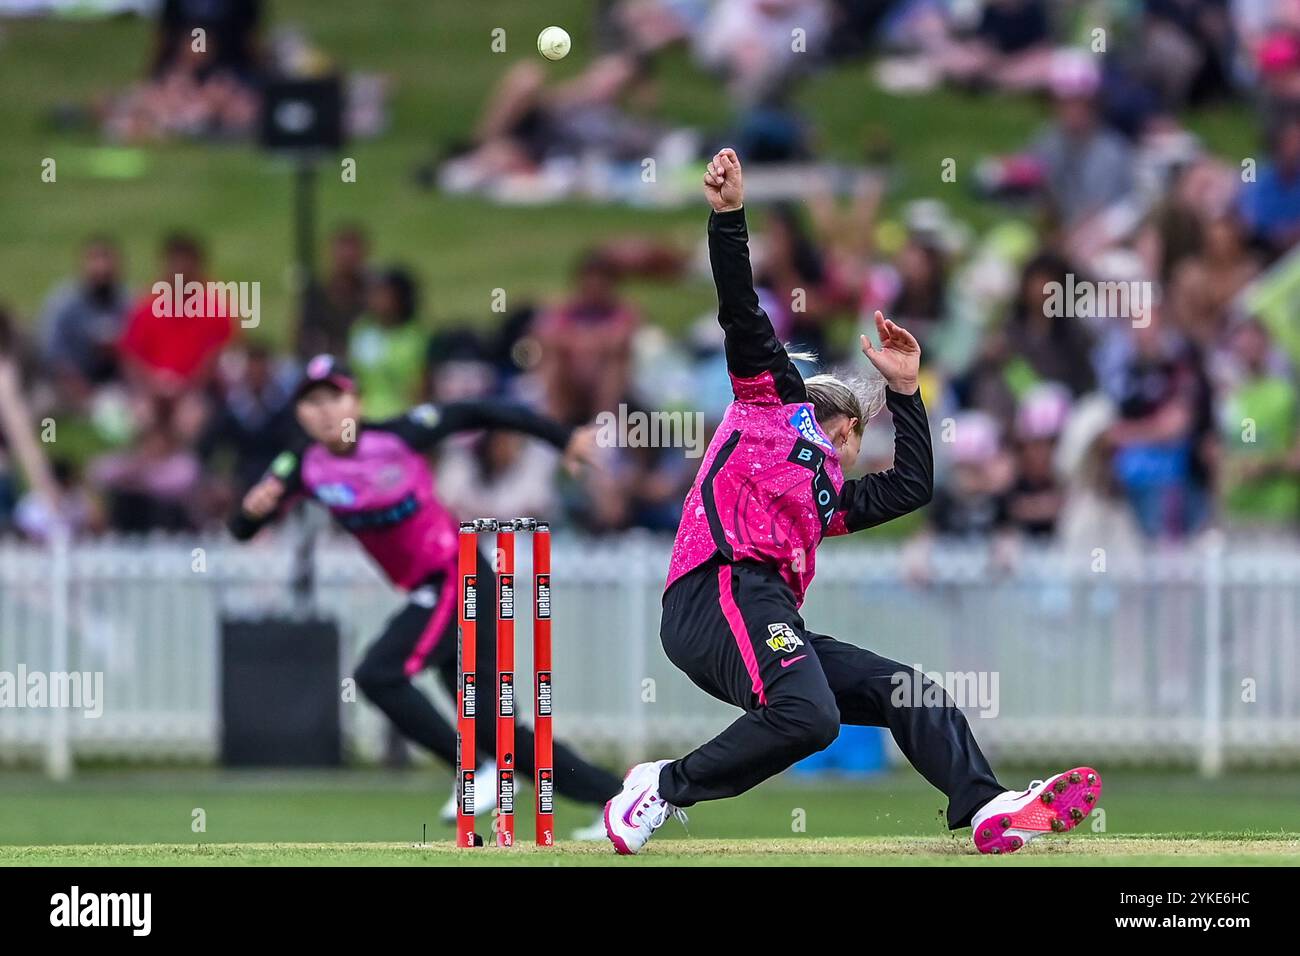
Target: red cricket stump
{"x":505,"y":691}
{"x":542,"y":750}
{"x":466,"y":688}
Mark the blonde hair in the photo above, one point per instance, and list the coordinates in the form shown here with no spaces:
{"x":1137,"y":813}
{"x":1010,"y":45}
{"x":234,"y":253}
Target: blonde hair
{"x":853,"y":396}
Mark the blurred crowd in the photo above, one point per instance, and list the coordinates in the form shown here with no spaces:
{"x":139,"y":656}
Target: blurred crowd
{"x":1110,"y":356}
{"x":207,"y":68}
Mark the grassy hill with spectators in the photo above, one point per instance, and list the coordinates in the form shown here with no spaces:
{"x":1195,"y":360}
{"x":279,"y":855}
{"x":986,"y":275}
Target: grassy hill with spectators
{"x":440,"y":68}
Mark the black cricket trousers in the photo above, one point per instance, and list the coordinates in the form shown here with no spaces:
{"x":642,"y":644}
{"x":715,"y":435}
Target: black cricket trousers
{"x":423,"y":634}
{"x":734,"y":629}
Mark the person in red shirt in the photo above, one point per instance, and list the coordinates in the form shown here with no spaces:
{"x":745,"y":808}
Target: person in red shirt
{"x":168,"y":351}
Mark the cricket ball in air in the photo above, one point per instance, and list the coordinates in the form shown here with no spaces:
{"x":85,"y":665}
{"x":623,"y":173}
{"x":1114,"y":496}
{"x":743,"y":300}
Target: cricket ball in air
{"x":554,"y":43}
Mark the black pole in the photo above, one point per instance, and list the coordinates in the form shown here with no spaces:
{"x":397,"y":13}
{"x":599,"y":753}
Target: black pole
{"x":303,"y":582}
{"x":302,"y":120}
{"x":305,"y":227}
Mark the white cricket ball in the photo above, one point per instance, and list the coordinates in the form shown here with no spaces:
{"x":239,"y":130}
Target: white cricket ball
{"x":554,"y":43}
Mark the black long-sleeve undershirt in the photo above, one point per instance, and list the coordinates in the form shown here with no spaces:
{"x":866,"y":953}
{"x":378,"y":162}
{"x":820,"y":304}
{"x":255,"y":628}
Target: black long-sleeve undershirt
{"x":750,"y":341}
{"x":909,"y":484}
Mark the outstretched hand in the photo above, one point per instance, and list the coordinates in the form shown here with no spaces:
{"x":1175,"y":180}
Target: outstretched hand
{"x":723,"y":186}
{"x":899,"y":357}
{"x":264,"y":497}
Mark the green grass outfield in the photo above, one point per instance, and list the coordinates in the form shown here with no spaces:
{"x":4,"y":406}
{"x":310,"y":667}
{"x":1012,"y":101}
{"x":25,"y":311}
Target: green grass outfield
{"x":368,"y":817}
{"x":1157,"y":850}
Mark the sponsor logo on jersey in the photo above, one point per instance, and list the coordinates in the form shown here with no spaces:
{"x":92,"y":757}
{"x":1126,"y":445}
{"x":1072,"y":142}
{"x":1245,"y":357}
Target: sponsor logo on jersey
{"x":782,"y":638}
{"x":805,"y":454}
{"x":375,"y":519}
{"x":825,"y":497}
{"x":806,"y":425}
{"x":337,"y":494}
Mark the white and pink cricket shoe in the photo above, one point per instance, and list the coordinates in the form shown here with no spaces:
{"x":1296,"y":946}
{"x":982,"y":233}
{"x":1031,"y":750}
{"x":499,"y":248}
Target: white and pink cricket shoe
{"x":1055,"y":805}
{"x":637,"y":811}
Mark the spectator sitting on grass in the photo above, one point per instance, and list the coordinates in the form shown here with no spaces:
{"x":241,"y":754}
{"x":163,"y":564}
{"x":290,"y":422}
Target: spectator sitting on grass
{"x":1260,"y":464}
{"x":10,"y":383}
{"x":1275,"y":51}
{"x":1086,"y":166}
{"x":1158,"y":435}
{"x":252,"y":423}
{"x":170,"y":358}
{"x":77,"y":510}
{"x":195,"y":96}
{"x":82,"y":320}
{"x":230,"y":26}
{"x":793,"y":270}
{"x":388,"y":346}
{"x":922,"y":286}
{"x":748,"y":42}
{"x":152,"y":485}
{"x":1094,"y":513}
{"x":501,"y":473}
{"x":1205,"y":284}
{"x":335,"y":304}
{"x":1270,"y":207}
{"x":587,"y":345}
{"x":1045,"y":346}
{"x":1186,"y":50}
{"x":527,"y":122}
{"x":971,"y":500}
{"x":1010,"y":48}
{"x":972,"y":495}
{"x":1035,"y":500}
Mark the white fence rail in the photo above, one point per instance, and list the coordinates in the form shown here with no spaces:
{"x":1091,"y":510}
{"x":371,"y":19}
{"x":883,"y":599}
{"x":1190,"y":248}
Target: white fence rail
{"x":1181,"y":657}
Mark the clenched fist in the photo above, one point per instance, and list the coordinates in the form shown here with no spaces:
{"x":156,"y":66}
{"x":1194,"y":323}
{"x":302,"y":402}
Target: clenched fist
{"x":723,"y":186}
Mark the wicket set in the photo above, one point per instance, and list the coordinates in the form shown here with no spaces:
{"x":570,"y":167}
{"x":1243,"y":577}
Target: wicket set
{"x":467,"y":686}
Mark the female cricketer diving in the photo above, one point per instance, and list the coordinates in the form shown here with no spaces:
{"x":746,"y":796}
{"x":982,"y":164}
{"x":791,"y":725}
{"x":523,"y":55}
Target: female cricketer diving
{"x":375,"y":481}
{"x":770,"y":487}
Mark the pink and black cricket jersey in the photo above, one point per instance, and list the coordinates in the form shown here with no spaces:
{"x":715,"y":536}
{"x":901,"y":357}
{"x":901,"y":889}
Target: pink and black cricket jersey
{"x":382,"y":491}
{"x":770,"y":486}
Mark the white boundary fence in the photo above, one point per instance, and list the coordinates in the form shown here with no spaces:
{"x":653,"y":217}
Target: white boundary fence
{"x":1190,"y":657}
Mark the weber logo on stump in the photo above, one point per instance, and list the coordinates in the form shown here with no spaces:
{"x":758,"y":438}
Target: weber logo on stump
{"x":543,"y":693}
{"x":506,"y":799}
{"x":543,"y":597}
{"x":471,"y":597}
{"x":506,"y":694}
{"x":467,"y":792}
{"x":468,"y":685}
{"x":545,"y":791}
{"x":506,"y":609}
